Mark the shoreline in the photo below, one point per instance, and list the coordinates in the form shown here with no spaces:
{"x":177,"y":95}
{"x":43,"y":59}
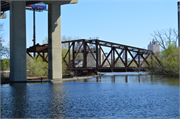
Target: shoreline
{"x":75,"y":78}
{"x":38,"y":79}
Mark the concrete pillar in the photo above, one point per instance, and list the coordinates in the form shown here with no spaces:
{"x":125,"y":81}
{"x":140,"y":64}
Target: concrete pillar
{"x":18,"y":41}
{"x":54,"y":41}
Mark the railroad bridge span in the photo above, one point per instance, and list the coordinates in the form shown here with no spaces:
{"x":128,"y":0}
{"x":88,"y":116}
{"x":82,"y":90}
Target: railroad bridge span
{"x":92,"y":55}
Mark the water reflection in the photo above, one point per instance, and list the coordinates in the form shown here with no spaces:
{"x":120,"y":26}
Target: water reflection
{"x":108,"y":96}
{"x":58,"y":100}
{"x":145,"y":78}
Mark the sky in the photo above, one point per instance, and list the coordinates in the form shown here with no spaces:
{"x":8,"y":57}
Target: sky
{"x":128,"y":22}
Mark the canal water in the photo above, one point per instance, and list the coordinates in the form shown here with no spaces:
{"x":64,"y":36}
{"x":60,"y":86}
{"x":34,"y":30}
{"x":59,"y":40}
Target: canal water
{"x":114,"y":95}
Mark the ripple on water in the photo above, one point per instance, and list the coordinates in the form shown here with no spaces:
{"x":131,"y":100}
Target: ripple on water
{"x":109,"y":97}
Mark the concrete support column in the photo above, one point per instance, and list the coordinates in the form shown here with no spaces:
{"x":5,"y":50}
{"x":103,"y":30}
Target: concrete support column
{"x":18,"y":41}
{"x":54,"y":42}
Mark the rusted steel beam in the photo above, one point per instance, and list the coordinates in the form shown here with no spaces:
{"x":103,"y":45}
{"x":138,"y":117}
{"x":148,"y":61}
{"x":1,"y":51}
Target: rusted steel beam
{"x":85,"y":54}
{"x":119,"y":56}
{"x":65,"y":62}
{"x":105,"y":56}
{"x":105,"y":44}
{"x":144,"y":59}
{"x":29,"y":54}
{"x":112,"y":57}
{"x":97,"y":65}
{"x":139,"y":59}
{"x":156,"y":58}
{"x":42,"y":57}
{"x":91,"y":52}
{"x":77,"y":52}
{"x":132,"y":59}
{"x":69,"y":49}
{"x":73,"y":65}
{"x":126,"y":58}
{"x":80,"y":40}
{"x":151,"y":59}
{"x":37,"y":56}
{"x":122,"y":45}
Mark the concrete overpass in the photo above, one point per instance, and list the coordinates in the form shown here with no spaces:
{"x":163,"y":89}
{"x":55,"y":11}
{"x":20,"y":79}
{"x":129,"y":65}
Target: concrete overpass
{"x":18,"y":37}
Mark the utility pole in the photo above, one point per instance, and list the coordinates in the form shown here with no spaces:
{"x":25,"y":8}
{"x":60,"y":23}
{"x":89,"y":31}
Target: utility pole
{"x":34,"y":32}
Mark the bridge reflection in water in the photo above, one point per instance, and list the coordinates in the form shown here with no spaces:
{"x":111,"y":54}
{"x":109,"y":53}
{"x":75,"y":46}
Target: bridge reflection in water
{"x":119,"y":79}
{"x":139,"y":78}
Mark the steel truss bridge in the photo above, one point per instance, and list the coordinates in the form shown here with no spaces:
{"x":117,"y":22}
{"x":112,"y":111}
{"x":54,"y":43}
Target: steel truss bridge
{"x":97,"y":48}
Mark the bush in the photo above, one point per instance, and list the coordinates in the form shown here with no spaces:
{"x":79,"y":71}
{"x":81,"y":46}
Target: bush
{"x":36,"y":67}
{"x":5,"y":64}
{"x":169,"y":59}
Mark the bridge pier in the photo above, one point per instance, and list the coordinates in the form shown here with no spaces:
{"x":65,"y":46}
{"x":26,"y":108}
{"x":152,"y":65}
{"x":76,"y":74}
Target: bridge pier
{"x":54,"y":41}
{"x":18,"y":41}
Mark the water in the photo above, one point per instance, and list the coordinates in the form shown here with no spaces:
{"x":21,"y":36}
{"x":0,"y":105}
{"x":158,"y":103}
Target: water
{"x":115,"y":95}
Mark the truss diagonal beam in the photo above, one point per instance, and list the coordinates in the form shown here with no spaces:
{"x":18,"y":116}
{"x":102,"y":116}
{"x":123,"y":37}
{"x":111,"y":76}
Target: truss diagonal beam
{"x":91,"y":52}
{"x":65,"y":62}
{"x":119,"y":56}
{"x":144,"y":59}
{"x":78,"y":52}
{"x":42,"y":57}
{"x":132,"y":59}
{"x":105,"y":56}
{"x":68,"y":51}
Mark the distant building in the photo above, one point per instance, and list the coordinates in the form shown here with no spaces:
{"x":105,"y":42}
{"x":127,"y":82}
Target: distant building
{"x":154,"y":46}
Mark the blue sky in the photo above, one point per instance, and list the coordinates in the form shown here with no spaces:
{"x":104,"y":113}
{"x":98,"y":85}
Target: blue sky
{"x":128,"y":22}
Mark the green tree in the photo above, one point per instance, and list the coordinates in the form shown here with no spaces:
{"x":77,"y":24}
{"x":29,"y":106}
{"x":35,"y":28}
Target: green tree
{"x":36,"y":67}
{"x":169,"y":61}
{"x":5,"y":64}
